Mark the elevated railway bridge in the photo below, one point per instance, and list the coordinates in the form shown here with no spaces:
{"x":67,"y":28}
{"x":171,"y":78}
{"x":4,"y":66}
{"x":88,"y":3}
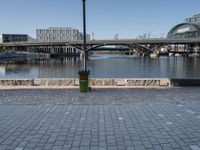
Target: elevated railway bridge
{"x":146,"y":46}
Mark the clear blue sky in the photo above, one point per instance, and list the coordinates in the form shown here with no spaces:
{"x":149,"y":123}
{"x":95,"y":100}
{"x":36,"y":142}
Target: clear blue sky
{"x":128,"y":18}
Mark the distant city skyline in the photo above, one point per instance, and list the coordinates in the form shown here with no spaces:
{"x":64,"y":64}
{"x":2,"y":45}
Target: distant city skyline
{"x":105,"y":18}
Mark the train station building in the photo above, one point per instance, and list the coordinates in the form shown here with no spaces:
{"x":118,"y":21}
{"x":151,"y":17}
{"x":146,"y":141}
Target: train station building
{"x":189,"y":29}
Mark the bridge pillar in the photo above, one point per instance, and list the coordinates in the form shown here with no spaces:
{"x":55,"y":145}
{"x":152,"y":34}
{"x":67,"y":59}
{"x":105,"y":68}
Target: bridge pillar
{"x":195,"y":51}
{"x":155,"y":53}
{"x":74,"y":50}
{"x":82,"y":55}
{"x":199,"y":48}
{"x":52,"y":49}
{"x":176,"y":47}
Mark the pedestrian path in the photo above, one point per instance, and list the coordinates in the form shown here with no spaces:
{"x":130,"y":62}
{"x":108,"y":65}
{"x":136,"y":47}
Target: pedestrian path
{"x":105,"y":119}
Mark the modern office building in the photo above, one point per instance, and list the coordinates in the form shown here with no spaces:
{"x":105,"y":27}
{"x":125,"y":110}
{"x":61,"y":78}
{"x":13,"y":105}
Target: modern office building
{"x":189,"y":29}
{"x":14,"y":38}
{"x":59,"y":34}
{"x":6,"y":38}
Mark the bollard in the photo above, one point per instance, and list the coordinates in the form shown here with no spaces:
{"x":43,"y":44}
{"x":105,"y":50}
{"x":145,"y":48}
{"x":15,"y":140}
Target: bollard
{"x":84,"y":81}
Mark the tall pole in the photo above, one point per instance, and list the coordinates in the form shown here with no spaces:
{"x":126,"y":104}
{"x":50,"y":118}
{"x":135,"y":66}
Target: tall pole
{"x":84,"y":37}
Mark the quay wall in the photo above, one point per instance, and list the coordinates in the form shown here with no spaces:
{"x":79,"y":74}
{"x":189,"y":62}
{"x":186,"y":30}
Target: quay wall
{"x":100,"y":82}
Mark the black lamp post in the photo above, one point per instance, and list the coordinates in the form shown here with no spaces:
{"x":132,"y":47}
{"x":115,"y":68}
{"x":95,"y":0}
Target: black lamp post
{"x":84,"y":36}
{"x":84,"y":74}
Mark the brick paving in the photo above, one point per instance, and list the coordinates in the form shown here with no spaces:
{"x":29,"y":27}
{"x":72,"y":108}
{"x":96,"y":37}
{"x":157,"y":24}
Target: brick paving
{"x":104,"y":119}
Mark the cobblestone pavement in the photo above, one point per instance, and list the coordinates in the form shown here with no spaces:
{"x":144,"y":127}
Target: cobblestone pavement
{"x":104,"y":119}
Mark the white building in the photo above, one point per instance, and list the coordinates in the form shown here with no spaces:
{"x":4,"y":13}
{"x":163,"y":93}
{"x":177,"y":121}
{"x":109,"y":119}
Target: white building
{"x":59,"y":34}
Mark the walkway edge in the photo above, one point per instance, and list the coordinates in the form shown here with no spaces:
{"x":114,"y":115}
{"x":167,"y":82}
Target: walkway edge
{"x":99,"y":82}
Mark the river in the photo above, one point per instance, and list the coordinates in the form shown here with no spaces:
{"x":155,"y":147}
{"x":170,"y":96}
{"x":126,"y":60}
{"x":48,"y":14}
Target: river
{"x":105,"y":66}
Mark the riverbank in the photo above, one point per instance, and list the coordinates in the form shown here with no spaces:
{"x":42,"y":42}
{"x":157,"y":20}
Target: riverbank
{"x":98,"y":83}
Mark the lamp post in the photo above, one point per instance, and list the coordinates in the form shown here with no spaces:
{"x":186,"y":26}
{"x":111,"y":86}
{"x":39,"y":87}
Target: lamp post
{"x":84,"y":74}
{"x":84,"y":36}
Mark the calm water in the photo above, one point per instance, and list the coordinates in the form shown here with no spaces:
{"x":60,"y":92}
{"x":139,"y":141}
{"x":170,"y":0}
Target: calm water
{"x":105,"y":66}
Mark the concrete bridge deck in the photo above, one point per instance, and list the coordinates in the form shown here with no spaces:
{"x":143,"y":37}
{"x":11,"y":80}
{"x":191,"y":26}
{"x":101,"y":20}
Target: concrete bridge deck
{"x":108,"y":42}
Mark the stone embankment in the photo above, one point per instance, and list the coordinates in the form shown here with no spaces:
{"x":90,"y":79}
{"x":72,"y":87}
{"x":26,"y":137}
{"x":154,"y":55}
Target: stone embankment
{"x":95,"y":82}
{"x":100,"y":82}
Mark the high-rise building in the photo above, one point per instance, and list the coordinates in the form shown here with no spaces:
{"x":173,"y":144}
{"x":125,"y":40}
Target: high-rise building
{"x":59,"y":34}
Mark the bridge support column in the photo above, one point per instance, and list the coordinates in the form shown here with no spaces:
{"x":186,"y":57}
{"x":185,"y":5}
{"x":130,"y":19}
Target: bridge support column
{"x":176,"y":48}
{"x":184,"y":48}
{"x":199,"y":48}
{"x":195,"y":51}
{"x":52,"y":48}
{"x":135,"y":52}
{"x":82,"y":55}
{"x":74,"y":50}
{"x":155,"y":54}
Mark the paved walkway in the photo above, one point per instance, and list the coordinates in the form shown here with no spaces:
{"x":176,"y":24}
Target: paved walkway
{"x":104,"y":119}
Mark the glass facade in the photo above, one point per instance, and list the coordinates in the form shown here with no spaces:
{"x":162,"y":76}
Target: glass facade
{"x":189,"y":29}
{"x":14,"y":38}
{"x":185,"y":30}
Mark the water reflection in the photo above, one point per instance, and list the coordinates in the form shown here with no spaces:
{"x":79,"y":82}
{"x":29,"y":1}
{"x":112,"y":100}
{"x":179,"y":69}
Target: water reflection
{"x":104,"y":66}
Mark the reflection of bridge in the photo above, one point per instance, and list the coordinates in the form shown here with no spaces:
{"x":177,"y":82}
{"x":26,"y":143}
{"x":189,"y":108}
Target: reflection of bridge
{"x":143,"y":45}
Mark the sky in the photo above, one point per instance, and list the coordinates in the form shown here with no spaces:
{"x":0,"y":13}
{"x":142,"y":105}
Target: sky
{"x":105,"y":18}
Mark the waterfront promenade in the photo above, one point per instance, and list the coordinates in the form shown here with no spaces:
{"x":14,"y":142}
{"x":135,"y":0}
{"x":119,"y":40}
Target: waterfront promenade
{"x":104,"y":119}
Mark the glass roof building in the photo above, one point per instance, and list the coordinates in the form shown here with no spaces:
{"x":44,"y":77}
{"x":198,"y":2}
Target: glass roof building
{"x":189,"y":29}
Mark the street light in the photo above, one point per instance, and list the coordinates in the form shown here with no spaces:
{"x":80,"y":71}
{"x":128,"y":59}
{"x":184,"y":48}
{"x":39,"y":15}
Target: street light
{"x":84,"y":37}
{"x":84,"y":74}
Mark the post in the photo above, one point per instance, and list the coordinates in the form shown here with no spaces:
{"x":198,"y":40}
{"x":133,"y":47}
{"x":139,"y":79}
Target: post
{"x":84,"y":36}
{"x":84,"y":74}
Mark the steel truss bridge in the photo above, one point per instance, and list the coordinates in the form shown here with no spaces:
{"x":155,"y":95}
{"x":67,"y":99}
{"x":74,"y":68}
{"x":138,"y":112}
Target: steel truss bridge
{"x":143,"y":45}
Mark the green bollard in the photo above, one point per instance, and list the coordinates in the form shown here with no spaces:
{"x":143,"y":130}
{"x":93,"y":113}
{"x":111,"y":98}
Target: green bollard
{"x":84,"y":81}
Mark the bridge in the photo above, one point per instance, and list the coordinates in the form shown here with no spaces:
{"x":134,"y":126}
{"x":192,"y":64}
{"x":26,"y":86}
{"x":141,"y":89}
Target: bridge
{"x":144,"y":45}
